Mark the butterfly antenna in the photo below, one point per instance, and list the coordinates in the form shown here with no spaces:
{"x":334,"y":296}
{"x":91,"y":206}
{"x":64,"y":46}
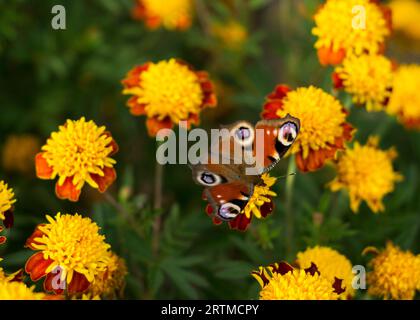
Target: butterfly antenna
{"x":287,"y":175}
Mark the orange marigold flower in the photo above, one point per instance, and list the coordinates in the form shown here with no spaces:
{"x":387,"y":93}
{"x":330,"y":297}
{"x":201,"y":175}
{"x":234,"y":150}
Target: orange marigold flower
{"x":281,"y":281}
{"x":171,"y":14}
{"x":404,"y":102}
{"x":367,"y":173}
{"x":368,"y":78}
{"x":7,"y":199}
{"x":350,"y":27}
{"x":77,"y":153}
{"x":395,"y":273}
{"x":406,"y":17}
{"x":324,"y":129}
{"x":71,"y":253}
{"x":168,"y":92}
{"x":19,"y":152}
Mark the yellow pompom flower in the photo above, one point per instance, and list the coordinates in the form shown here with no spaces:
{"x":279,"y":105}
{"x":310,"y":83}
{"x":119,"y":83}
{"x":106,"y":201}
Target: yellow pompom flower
{"x":367,"y":173}
{"x":345,"y":27}
{"x":171,"y":14}
{"x":262,"y":194}
{"x":406,"y":17}
{"x":368,"y":78}
{"x":7,"y":199}
{"x":331,"y":264}
{"x":280,"y":281}
{"x":78,"y":153}
{"x":323,"y":130}
{"x":18,"y":291}
{"x":232,"y":34}
{"x":404,"y":102}
{"x":70,"y":251}
{"x":110,"y":282}
{"x":168,"y":92}
{"x":395,"y":273}
{"x":19,"y":152}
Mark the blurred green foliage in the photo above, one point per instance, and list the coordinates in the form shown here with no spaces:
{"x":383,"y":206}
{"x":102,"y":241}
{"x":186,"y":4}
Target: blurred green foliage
{"x":47,"y":76}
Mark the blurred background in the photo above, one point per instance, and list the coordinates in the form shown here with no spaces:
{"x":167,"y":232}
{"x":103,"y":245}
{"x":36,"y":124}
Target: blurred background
{"x":48,"y":76}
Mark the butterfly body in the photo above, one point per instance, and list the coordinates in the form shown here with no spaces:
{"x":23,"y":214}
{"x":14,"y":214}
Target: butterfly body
{"x":236,"y":162}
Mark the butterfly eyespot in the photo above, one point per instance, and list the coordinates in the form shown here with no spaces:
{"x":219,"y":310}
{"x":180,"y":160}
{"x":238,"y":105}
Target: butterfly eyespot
{"x":229,"y":211}
{"x":208,"y":178}
{"x":243,"y":135}
{"x":287,"y":134}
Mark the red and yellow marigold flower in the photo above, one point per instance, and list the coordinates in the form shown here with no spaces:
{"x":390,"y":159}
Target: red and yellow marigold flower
{"x":324,"y":129}
{"x":368,"y":78}
{"x":168,"y":92}
{"x":171,"y":14}
{"x":19,"y":291}
{"x":367,"y":173}
{"x":406,"y":17}
{"x":331,"y":264}
{"x":78,"y":153}
{"x":19,"y":152}
{"x":260,"y":205}
{"x":340,"y":32}
{"x":70,"y":253}
{"x":395,"y":273}
{"x":110,"y":283}
{"x":7,"y":199}
{"x":404,"y":102}
{"x":281,"y":281}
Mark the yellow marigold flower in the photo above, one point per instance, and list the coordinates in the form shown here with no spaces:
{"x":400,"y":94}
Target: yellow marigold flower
{"x":261,"y":195}
{"x":368,"y":78}
{"x":70,"y":248}
{"x":406,"y":17}
{"x":405,"y":98}
{"x":78,"y":153}
{"x":168,"y":92}
{"x":171,"y":14}
{"x":110,"y":283}
{"x":367,"y":173}
{"x":19,"y":152}
{"x":232,"y":34}
{"x":7,"y":199}
{"x":331,"y":264}
{"x":341,"y":30}
{"x":395,"y":273}
{"x":19,"y":291}
{"x":280,"y":281}
{"x":323,"y":123}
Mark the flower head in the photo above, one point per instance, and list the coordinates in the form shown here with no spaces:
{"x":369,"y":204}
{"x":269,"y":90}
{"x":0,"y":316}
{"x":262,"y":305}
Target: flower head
{"x":323,"y":123}
{"x":367,"y":173}
{"x":281,"y":281}
{"x":232,"y":34}
{"x":331,"y":264}
{"x":171,"y":14}
{"x":110,"y":282}
{"x":395,"y":273}
{"x":168,"y":92}
{"x":406,"y":17}
{"x":350,"y":27}
{"x":19,"y":152}
{"x":7,"y":199}
{"x":405,"y":98}
{"x":71,"y":253}
{"x":260,"y":205}
{"x":368,"y":78}
{"x":18,"y":291}
{"x":78,"y":153}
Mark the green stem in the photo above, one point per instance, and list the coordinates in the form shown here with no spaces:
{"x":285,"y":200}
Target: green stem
{"x":157,"y":205}
{"x":289,"y":210}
